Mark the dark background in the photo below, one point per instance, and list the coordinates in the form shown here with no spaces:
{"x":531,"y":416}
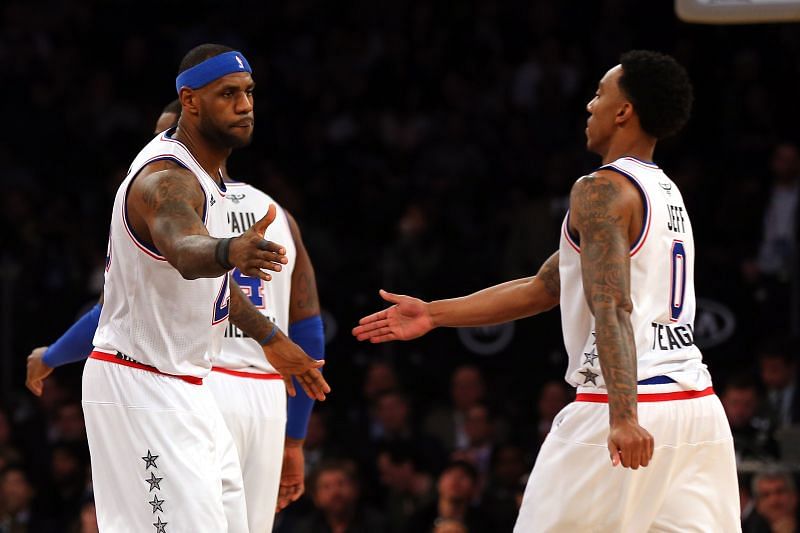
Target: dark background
{"x":425,"y":147}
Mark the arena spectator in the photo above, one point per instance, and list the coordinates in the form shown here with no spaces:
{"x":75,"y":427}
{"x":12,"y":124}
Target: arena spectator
{"x":335,"y":491}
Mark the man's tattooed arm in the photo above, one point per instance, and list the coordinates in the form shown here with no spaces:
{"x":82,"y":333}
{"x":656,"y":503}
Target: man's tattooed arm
{"x":597,"y":212}
{"x":304,"y":301}
{"x":164,"y":205}
{"x":246,"y":317}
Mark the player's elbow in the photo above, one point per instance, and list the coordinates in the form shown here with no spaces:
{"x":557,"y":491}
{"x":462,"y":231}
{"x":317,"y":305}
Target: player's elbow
{"x":542,"y":305}
{"x":611,"y":306}
{"x":185,"y":268}
{"x":624,"y":312}
{"x":624,"y":306}
{"x":187,"y":275}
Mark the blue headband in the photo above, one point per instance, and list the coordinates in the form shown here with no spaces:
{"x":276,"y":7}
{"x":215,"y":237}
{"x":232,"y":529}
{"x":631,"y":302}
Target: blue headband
{"x":212,"y":69}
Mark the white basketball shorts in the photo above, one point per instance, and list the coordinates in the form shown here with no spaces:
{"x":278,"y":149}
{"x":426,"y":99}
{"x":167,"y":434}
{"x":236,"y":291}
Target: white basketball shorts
{"x":689,"y":486}
{"x":162,"y":458}
{"x":254,"y":409}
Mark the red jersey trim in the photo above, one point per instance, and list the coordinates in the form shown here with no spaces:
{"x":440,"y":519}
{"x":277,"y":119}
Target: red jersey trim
{"x":240,"y":374}
{"x":654,"y":397}
{"x":568,"y":236}
{"x":648,"y":211}
{"x":118,"y":359}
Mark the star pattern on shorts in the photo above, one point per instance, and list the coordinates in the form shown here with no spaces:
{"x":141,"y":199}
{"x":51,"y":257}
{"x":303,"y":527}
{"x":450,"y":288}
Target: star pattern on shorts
{"x":590,"y":376}
{"x":154,"y":482}
{"x":149,"y":460}
{"x":156,"y":503}
{"x":160,"y":526}
{"x":589,"y":358}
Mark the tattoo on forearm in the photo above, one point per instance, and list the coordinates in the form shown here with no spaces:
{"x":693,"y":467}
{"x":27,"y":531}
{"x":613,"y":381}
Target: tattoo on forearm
{"x":550,"y":277}
{"x":619,"y":370}
{"x":605,"y":265}
{"x":246,"y":317}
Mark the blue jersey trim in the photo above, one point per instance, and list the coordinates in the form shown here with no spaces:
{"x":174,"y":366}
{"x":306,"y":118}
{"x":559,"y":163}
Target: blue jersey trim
{"x":220,"y":183}
{"x":645,"y":202}
{"x":149,"y":247}
{"x":657,"y":380}
{"x":642,"y":161}
{"x":576,"y":239}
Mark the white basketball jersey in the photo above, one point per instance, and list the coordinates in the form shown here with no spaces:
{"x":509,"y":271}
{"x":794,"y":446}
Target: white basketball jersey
{"x":150,"y":313}
{"x":246,"y":205}
{"x":662,"y":290}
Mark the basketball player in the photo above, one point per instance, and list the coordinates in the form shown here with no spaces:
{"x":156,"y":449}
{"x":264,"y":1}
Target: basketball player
{"x":249,"y":392}
{"x":248,"y":389}
{"x":160,"y":451}
{"x":624,"y":278}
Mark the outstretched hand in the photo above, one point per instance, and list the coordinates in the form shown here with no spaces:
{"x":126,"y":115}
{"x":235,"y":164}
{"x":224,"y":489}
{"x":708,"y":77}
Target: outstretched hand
{"x":407,"y":319}
{"x":290,"y":360}
{"x":252,"y":254}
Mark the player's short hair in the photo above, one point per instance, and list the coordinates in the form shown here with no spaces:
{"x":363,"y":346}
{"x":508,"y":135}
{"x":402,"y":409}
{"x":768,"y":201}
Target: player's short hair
{"x":659,"y":89}
{"x":200,"y":53}
{"x":173,"y":107}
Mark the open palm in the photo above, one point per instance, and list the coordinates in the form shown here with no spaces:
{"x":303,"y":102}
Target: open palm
{"x":407,"y":319}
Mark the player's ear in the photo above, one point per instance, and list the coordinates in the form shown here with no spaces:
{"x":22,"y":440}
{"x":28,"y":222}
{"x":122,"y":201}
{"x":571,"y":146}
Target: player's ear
{"x":624,"y":113}
{"x":189,"y":100}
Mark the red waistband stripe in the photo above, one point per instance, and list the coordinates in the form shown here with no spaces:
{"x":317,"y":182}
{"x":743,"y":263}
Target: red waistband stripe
{"x":125,"y":360}
{"x":648,"y":397}
{"x":240,"y":374}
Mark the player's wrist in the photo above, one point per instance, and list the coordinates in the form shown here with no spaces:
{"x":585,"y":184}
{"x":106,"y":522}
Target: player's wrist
{"x":40,"y":357}
{"x":294,"y":443}
{"x":433,"y":311}
{"x":222,"y":253}
{"x":623,"y":420}
{"x":270,"y":336}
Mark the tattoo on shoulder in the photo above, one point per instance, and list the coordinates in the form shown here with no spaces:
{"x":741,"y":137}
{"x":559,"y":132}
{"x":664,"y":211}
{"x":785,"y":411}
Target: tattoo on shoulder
{"x":591,"y":200}
{"x":169,"y":193}
{"x":601,"y":230}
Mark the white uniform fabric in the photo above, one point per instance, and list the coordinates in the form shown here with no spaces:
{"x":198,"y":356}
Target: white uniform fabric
{"x":193,"y":481}
{"x":662,"y":290}
{"x":150,"y":313}
{"x":689,"y":487}
{"x":169,"y":325}
{"x":254,"y":409}
{"x":691,"y":483}
{"x":246,"y":205}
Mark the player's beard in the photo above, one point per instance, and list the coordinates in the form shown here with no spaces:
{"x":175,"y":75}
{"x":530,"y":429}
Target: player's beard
{"x":220,"y":135}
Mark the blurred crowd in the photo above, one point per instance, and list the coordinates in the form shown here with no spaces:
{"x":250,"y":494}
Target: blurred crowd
{"x":427,"y":148}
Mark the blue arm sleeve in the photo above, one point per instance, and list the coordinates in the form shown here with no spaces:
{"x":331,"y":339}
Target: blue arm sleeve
{"x":309,"y":335}
{"x":76,"y":343}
